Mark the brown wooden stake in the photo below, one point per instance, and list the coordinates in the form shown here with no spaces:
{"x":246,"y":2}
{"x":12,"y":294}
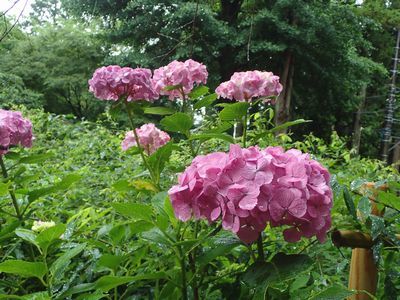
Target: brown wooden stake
{"x":363,"y":270}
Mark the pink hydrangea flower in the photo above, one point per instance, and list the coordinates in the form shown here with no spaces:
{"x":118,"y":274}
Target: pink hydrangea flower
{"x":150,"y":138}
{"x":243,"y":86}
{"x":14,"y":130}
{"x":185,"y":74}
{"x":248,"y":188}
{"x":114,"y":82}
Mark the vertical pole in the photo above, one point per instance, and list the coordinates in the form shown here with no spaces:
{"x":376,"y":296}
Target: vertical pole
{"x":363,"y":270}
{"x":387,"y":130}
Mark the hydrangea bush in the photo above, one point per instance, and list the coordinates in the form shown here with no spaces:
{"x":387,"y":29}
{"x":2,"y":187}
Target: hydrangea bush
{"x":245,"y":190}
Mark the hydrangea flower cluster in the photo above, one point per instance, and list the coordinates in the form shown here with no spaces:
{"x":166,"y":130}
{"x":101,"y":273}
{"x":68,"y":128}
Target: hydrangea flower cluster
{"x":243,"y":86}
{"x":150,"y":138}
{"x":14,"y":130}
{"x":185,"y":74}
{"x":248,"y":188}
{"x":113,"y":82}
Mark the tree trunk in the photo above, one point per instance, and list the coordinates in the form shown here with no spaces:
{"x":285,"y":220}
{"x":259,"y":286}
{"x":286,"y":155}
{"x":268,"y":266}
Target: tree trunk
{"x":282,"y":106}
{"x":357,"y":122}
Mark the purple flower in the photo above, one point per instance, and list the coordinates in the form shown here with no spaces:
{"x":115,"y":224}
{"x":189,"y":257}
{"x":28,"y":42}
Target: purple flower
{"x":114,"y":82}
{"x":248,"y":188}
{"x":14,"y":130}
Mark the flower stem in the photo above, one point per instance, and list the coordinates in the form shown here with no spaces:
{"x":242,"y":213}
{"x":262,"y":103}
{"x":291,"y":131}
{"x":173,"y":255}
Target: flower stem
{"x":260,"y":248}
{"x":130,"y":117}
{"x":12,"y":194}
{"x":244,"y":136}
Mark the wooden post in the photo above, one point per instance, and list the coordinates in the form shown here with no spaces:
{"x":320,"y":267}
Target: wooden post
{"x":363,"y":270}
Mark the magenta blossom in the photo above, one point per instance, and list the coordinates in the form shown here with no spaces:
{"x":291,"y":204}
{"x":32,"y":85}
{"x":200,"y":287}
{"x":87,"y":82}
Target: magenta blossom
{"x":248,"y":188}
{"x":14,"y":130}
{"x":150,"y":138}
{"x":114,"y":82}
{"x":184,"y":74}
{"x":243,"y":86}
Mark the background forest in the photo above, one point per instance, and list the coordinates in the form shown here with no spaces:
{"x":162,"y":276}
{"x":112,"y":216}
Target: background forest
{"x":326,"y":53}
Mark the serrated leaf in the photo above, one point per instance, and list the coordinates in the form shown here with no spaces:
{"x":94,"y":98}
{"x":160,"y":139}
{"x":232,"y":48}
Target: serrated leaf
{"x":235,"y":111}
{"x":198,"y":92}
{"x":159,"y":110}
{"x":136,"y":211}
{"x":206,"y":101}
{"x":289,"y":124}
{"x":159,"y":158}
{"x":23,"y":268}
{"x":178,"y":122}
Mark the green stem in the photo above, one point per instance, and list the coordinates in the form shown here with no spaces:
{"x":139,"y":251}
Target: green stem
{"x":183,"y":272}
{"x":130,"y":117}
{"x":260,"y":248}
{"x":48,"y":279}
{"x":244,"y":136}
{"x":192,"y":263}
{"x":12,"y":194}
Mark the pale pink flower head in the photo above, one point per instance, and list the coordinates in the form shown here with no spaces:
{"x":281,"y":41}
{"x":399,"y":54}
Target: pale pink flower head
{"x":185,"y":74}
{"x":14,"y":130}
{"x":114,"y":82}
{"x":244,"y":86}
{"x":248,"y":188}
{"x":150,"y":138}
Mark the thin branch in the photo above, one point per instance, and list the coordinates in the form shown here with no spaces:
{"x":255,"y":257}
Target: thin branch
{"x":10,"y":8}
{"x":193,"y":27}
{"x":15,"y":23}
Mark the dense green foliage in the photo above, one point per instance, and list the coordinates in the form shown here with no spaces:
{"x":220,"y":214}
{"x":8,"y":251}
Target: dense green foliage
{"x":115,"y":235}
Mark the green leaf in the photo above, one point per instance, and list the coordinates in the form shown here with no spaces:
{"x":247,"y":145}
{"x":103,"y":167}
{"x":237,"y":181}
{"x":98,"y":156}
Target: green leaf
{"x":159,"y":158}
{"x":348,"y":199}
{"x":4,"y":188}
{"x":215,"y":252}
{"x":377,"y":226}
{"x":169,"y":88}
{"x":178,"y":122}
{"x":27,"y":235}
{"x":110,"y":261}
{"x":208,"y":136}
{"x":23,"y":268}
{"x":64,"y":184}
{"x":289,"y":124}
{"x":235,"y":111}
{"x":49,"y":235}
{"x":335,"y":292}
{"x":364,"y":206}
{"x":198,"y":92}
{"x":136,"y":211}
{"x":206,"y":101}
{"x":35,"y":158}
{"x":122,"y":185}
{"x":107,"y":283}
{"x":140,"y":226}
{"x":159,"y":110}
{"x":389,"y":199}
{"x":282,"y":267}
{"x":60,"y":264}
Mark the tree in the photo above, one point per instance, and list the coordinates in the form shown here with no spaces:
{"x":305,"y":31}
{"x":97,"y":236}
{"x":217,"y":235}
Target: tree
{"x":317,"y":48}
{"x":57,"y":61}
